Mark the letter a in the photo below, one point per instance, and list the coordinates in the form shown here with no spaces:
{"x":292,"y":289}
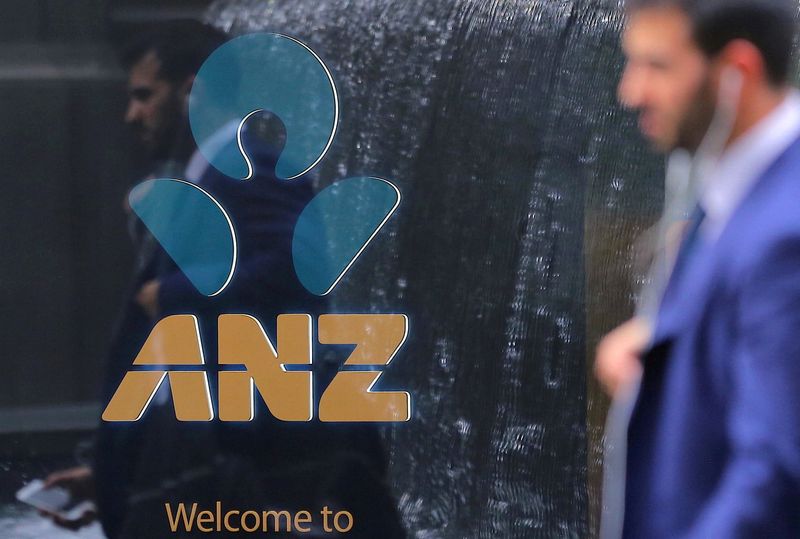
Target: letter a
{"x":175,"y":340}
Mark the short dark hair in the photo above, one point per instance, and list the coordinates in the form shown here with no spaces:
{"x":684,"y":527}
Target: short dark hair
{"x":767,"y":24}
{"x":181,"y":45}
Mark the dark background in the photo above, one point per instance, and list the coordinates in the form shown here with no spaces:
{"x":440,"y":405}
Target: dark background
{"x":524,"y":186}
{"x":67,"y":162}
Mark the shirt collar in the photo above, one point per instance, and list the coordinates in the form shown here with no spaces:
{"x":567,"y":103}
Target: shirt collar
{"x":743,"y":163}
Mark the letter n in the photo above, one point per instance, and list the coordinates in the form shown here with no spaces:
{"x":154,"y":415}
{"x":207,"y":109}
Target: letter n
{"x":175,"y":340}
{"x":242,"y":341}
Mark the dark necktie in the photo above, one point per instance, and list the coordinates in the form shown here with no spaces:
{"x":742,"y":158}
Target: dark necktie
{"x":690,"y":240}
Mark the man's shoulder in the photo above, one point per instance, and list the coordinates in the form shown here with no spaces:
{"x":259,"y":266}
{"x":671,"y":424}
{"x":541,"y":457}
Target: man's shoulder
{"x":768,"y":219}
{"x":774,"y":197}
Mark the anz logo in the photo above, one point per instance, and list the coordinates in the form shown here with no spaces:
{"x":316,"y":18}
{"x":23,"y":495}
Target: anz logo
{"x":281,"y":75}
{"x":287,"y":393}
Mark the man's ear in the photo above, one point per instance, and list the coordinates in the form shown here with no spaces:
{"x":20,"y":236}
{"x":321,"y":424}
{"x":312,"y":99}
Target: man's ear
{"x":744,"y":57}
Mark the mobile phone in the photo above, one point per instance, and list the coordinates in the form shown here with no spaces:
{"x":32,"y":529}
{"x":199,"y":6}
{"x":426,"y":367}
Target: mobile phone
{"x":56,"y":500}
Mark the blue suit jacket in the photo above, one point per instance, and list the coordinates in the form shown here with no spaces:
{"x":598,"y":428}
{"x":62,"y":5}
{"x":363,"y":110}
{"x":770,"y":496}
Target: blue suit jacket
{"x":714,"y":439}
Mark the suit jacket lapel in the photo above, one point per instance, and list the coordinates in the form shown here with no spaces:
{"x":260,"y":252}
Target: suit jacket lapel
{"x":686,"y":294}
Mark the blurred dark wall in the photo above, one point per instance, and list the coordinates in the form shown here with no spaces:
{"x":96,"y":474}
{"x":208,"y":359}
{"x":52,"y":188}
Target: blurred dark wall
{"x":67,"y":162}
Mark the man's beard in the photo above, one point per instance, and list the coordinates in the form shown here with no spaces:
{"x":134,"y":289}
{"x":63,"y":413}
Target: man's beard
{"x":697,"y":120}
{"x":165,"y":137}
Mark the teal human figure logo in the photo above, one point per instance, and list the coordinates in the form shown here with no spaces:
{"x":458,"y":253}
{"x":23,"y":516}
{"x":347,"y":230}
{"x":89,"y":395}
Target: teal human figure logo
{"x":246,"y":76}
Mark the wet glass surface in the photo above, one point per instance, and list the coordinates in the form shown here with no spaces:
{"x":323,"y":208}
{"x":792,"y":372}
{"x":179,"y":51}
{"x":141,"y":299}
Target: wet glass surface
{"x":524,"y":190}
{"x":524,"y":186}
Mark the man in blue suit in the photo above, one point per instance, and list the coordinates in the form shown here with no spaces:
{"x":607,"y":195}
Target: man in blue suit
{"x":713,"y":442}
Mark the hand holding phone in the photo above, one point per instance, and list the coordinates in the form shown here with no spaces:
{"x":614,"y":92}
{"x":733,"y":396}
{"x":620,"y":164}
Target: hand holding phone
{"x":65,"y":496}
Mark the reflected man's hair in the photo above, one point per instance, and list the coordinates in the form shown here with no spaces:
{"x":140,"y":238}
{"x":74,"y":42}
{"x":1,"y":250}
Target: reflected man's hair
{"x":181,"y":46}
